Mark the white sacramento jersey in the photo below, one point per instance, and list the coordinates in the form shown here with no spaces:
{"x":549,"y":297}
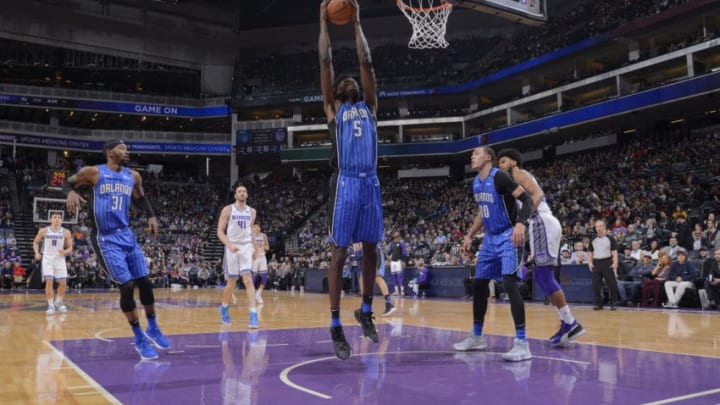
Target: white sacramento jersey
{"x":238,"y":230}
{"x":54,"y":240}
{"x":543,"y":208}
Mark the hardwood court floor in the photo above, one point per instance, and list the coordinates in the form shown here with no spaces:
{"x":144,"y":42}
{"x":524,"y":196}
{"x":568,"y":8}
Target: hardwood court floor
{"x":35,"y":371}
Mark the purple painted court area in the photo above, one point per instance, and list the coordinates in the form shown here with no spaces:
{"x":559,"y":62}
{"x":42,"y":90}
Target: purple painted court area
{"x":410,"y":365}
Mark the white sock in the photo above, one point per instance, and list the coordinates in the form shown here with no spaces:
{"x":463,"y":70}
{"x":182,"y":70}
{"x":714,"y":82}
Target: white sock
{"x":253,"y":309}
{"x":50,"y":302}
{"x":225,"y":305}
{"x":566,"y":315}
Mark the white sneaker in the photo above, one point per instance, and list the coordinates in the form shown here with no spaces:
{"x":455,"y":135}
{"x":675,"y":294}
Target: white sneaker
{"x":471,"y":342}
{"x":258,"y":298}
{"x":519,"y":352}
{"x":50,"y":310}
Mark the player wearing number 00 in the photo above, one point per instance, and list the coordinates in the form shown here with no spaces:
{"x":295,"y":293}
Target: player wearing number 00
{"x":114,"y":187}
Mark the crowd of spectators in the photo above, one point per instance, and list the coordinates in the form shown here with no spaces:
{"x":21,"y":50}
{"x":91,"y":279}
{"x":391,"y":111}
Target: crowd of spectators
{"x":10,"y":260}
{"x":47,"y":66}
{"x":654,"y":191}
{"x":464,"y":60}
{"x":664,"y":189}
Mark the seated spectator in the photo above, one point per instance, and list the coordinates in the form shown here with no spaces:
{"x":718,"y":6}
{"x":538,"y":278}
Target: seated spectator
{"x":704,"y":254}
{"x":655,"y":250}
{"x":13,"y":256}
{"x":635,"y":251}
{"x":681,"y":276}
{"x":18,"y":275}
{"x":565,"y":257}
{"x":423,"y":278}
{"x":579,"y":256}
{"x":6,"y":275}
{"x":10,"y":240}
{"x":634,"y":279}
{"x":203,"y":277}
{"x":672,"y":248}
{"x":699,"y":241}
{"x":657,"y":279}
{"x":711,"y":270}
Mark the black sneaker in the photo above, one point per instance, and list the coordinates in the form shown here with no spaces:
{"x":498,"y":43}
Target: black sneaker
{"x":389,"y":309}
{"x":340,"y":344}
{"x":365,"y":319}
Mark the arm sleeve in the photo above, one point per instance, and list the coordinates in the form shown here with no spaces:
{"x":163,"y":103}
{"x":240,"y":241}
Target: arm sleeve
{"x":505,"y":185}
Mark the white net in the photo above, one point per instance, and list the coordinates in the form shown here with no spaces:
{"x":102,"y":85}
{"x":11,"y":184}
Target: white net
{"x":429,"y":22}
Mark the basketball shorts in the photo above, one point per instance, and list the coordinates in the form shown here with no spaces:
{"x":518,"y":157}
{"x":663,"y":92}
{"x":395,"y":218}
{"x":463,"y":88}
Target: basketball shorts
{"x":260,"y":264}
{"x":120,"y":255}
{"x":355,"y":208}
{"x":498,"y":257}
{"x":395,"y":266}
{"x":545,"y":235}
{"x":54,"y":267}
{"x":240,"y":262}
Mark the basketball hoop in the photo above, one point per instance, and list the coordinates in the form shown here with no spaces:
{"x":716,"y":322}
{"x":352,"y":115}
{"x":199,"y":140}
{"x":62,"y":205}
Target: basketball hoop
{"x":429,"y":20}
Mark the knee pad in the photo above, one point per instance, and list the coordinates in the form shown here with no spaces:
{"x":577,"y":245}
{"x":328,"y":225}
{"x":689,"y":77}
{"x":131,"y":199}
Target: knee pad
{"x":147,"y":297}
{"x":545,"y":279}
{"x":263,"y":279}
{"x":127,"y":299}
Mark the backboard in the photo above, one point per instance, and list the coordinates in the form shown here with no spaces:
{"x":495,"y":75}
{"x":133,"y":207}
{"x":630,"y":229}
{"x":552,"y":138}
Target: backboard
{"x":529,"y":12}
{"x":43,"y":208}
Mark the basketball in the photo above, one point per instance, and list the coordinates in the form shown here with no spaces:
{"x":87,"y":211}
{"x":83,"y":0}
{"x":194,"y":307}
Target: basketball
{"x":340,"y":12}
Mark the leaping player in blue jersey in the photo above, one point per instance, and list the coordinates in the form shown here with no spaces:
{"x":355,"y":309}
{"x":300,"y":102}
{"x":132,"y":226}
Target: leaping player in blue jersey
{"x":505,"y":224}
{"x":114,"y":187}
{"x":355,"y":204}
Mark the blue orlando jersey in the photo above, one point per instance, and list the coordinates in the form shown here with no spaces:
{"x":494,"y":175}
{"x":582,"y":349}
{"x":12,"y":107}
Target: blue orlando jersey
{"x":110,"y":200}
{"x":493,"y":196}
{"x":354,"y":138}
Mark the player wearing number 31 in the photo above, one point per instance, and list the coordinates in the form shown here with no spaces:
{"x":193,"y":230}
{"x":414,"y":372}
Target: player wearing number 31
{"x":355,"y":203}
{"x":114,"y":187}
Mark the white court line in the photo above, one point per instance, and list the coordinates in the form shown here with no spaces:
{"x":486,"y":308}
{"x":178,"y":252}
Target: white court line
{"x":80,"y":394}
{"x":202,"y":346}
{"x":77,"y":387}
{"x":684,"y":397}
{"x":285,"y":379}
{"x":99,"y":334}
{"x":99,"y":388}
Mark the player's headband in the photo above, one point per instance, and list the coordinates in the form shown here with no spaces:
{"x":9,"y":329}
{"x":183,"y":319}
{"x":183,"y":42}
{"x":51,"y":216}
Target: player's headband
{"x":111,"y":144}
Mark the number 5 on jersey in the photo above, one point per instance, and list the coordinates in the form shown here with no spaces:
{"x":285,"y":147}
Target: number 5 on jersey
{"x":357,"y":128}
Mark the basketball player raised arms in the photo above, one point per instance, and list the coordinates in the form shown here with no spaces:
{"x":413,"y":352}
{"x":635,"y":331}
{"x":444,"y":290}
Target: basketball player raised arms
{"x":355,"y":203}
